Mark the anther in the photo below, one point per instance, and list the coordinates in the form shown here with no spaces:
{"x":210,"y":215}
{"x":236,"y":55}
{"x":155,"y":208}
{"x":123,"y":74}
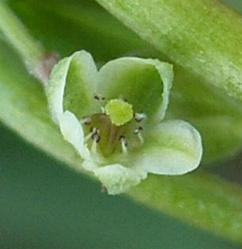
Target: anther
{"x":139,"y":117}
{"x":96,"y":97}
{"x":86,"y":120}
{"x":94,"y":135}
{"x":138,"y":130}
{"x":100,"y":98}
{"x":96,"y":139}
{"x":124,"y":144}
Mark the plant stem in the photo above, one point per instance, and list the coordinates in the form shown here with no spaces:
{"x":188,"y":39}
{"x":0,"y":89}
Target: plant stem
{"x":202,"y":36}
{"x":203,"y":199}
{"x":30,"y":51}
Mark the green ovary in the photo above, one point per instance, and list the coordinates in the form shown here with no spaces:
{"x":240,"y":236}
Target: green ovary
{"x":119,"y":111}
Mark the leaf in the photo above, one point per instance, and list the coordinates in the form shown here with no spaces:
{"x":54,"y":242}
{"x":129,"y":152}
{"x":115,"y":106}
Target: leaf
{"x":201,"y":36}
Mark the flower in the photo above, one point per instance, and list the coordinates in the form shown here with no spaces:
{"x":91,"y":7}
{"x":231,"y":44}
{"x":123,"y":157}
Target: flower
{"x":114,"y":118}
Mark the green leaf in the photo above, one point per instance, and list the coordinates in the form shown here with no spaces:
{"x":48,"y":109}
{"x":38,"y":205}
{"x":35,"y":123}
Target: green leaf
{"x":18,"y":36}
{"x":202,"y":36}
{"x":217,"y":116}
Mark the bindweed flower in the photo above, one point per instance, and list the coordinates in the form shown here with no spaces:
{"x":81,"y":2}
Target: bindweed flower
{"x":113,"y":118}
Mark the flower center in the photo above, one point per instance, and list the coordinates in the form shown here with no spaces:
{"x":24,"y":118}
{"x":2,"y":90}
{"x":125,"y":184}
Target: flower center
{"x":119,"y":111}
{"x":114,"y":129}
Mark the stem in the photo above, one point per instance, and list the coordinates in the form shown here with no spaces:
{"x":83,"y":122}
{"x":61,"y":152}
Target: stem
{"x":31,"y":51}
{"x":202,"y":36}
{"x":203,"y":199}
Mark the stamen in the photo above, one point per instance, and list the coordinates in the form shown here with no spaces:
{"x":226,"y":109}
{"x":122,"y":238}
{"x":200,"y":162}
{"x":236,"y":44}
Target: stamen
{"x":95,"y":135}
{"x":86,"y":120}
{"x":139,"y":117}
{"x":99,"y":98}
{"x":137,"y":132}
{"x":94,"y":147}
{"x":88,"y":136}
{"x":96,"y":139}
{"x":102,"y":109}
{"x":124,"y":144}
{"x":141,"y":139}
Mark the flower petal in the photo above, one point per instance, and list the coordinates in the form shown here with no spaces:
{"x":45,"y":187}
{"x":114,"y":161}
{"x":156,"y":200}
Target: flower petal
{"x":117,"y":178}
{"x":72,"y":86}
{"x":145,"y":83}
{"x":171,"y":148}
{"x":72,"y":132}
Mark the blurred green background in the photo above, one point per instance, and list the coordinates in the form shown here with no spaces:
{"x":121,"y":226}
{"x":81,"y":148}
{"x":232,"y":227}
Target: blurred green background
{"x":43,"y":204}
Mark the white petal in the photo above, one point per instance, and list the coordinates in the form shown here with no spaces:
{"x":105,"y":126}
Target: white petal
{"x":81,"y":88}
{"x":145,"y":83}
{"x":72,"y":132}
{"x":172,"y":148}
{"x":117,"y":178}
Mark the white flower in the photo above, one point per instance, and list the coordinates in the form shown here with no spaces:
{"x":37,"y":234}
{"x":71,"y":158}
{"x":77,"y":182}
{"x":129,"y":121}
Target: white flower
{"x":114,"y":119}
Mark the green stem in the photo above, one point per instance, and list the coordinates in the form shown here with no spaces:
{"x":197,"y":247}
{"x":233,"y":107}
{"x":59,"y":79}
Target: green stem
{"x":30,"y":51}
{"x":202,"y":36}
{"x":204,"y":200}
